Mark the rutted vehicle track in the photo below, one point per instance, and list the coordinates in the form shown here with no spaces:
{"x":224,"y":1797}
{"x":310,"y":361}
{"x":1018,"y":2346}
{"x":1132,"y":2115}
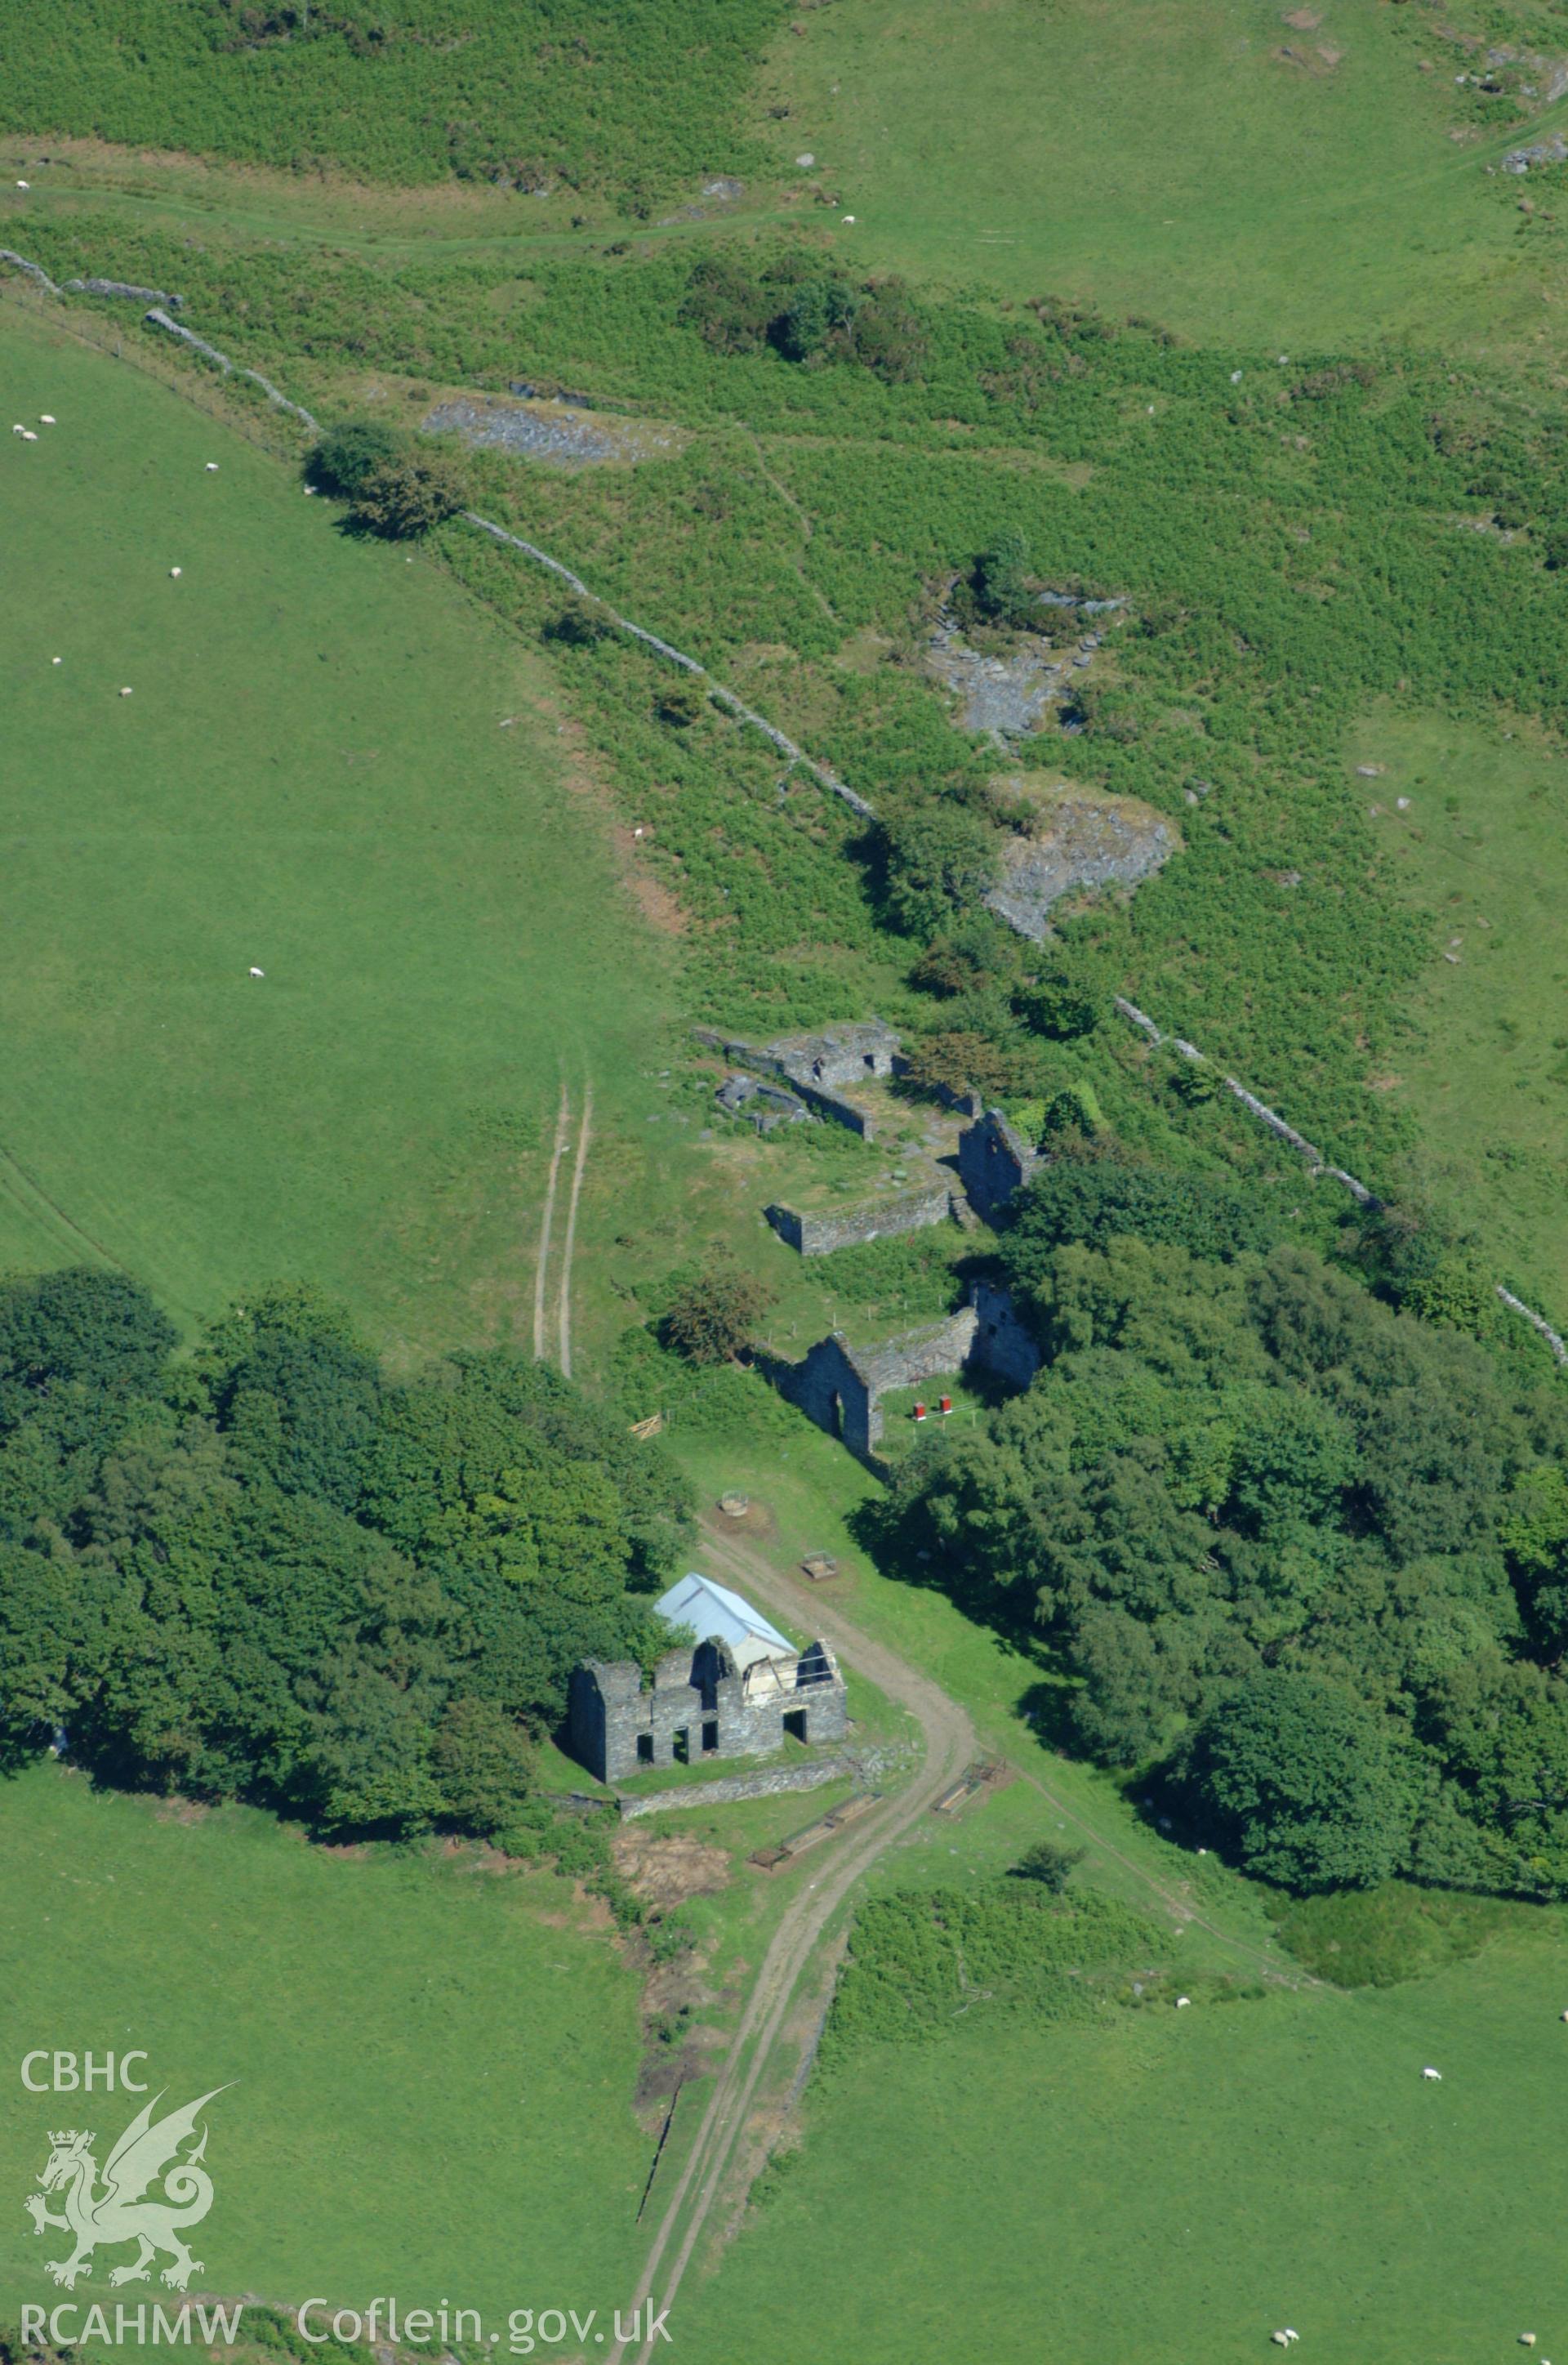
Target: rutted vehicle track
{"x":710,"y":2170}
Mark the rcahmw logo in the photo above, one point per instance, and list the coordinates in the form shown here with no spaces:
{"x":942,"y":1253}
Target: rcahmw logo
{"x":152,"y":2187}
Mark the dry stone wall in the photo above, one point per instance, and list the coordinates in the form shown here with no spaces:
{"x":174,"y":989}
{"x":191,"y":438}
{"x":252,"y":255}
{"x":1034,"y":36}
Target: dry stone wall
{"x":769,"y":1783}
{"x":881,"y":1220}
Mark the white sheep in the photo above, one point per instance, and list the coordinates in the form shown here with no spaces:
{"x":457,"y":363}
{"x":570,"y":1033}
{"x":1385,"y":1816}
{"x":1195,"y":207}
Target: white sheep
{"x":257,"y":972}
{"x":57,"y":660}
{"x":1182,"y":2002}
{"x":212,"y":467}
{"x":126,"y":691}
{"x":29,"y":435}
{"x":1433,"y":2073}
{"x":46,"y":418}
{"x":175,"y":574}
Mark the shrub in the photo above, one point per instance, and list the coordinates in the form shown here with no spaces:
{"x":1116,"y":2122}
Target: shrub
{"x":681,"y":699}
{"x":1059,"y":1006}
{"x":936,"y":861}
{"x":1049,"y":1864}
{"x":405,"y":493}
{"x":713,"y":1315}
{"x":579,"y":623}
{"x":346,"y":455}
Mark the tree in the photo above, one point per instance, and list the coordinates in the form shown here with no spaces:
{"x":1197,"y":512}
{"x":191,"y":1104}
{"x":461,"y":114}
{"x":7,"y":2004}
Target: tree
{"x":346,"y":455}
{"x":81,"y":1326}
{"x":938,"y":860}
{"x":305,"y":1412}
{"x":53,"y":1635}
{"x":1296,"y":1779}
{"x":821,"y":311}
{"x":1059,"y":1005}
{"x":282,"y":1579}
{"x":999,"y":581}
{"x":1096,"y":1200}
{"x":730,"y":309}
{"x":713,"y":1317}
{"x":1051,"y":1864}
{"x":406,"y":492}
{"x":482,"y":1764}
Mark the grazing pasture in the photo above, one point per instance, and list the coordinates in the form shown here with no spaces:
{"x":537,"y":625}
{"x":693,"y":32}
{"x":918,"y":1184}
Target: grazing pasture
{"x":1169,"y":2186}
{"x":1201,"y":162}
{"x":310,"y":778}
{"x":431,"y":2066}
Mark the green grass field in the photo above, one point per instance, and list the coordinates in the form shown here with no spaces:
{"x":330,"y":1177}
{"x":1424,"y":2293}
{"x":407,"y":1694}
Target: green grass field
{"x":1480,"y":849}
{"x":1176,"y":2187}
{"x":311,"y":775}
{"x":432,"y":2067}
{"x":1161,"y":156}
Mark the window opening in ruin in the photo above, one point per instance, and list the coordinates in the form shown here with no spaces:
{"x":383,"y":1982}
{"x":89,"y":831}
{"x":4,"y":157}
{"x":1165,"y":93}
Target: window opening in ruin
{"x":644,"y":1749}
{"x":710,"y":1734}
{"x":680,"y":1747}
{"x":795,"y":1724}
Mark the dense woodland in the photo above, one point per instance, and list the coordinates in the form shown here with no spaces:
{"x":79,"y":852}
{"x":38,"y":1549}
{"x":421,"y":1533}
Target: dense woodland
{"x":261,"y":1571}
{"x":1297,"y":1555}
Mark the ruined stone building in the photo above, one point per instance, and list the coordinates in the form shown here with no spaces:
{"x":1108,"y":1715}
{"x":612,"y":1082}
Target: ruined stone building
{"x":993,"y":1162}
{"x":840,"y":1387}
{"x":742,"y":1691}
{"x":818,"y":1069}
{"x":820,"y":1233}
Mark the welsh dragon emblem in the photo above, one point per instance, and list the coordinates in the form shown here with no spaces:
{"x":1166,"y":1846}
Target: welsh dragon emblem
{"x":146,"y":2152}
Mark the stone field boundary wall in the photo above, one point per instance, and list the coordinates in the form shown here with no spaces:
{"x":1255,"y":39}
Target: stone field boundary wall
{"x":1314,"y":1157}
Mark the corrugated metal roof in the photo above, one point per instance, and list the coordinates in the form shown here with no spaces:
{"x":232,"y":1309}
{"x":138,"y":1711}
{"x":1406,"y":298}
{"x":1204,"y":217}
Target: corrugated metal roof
{"x":714,"y":1611}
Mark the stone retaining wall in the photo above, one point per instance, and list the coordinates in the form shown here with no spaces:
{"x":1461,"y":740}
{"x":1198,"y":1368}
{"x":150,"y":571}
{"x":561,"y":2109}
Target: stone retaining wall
{"x":767,"y":1785}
